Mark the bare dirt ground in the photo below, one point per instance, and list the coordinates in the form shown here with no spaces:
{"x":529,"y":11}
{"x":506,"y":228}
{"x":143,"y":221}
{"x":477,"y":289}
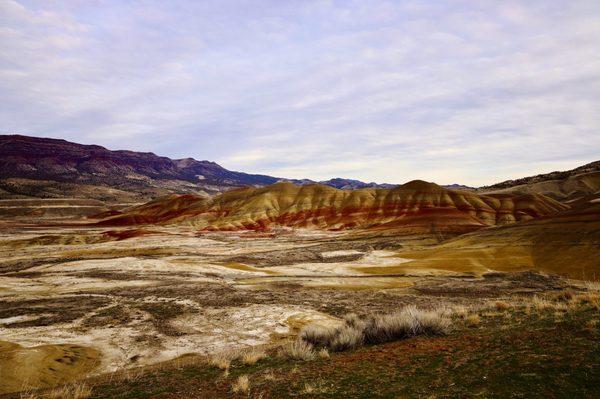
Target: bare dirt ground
{"x":79,"y":301}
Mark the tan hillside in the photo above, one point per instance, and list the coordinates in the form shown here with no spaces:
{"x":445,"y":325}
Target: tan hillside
{"x":568,"y":189}
{"x":415,"y":206}
{"x":50,"y":208}
{"x":564,"y":244}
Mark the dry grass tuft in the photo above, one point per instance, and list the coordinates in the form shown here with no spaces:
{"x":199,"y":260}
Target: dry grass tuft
{"x":242,"y":384}
{"x":352,"y":320}
{"x":308,"y":388}
{"x":269,"y":375}
{"x":431,"y":323}
{"x":324,"y":353}
{"x":473,"y":320}
{"x":72,"y":391}
{"x":311,"y":388}
{"x":493,"y":314}
{"x":221,"y":360}
{"x":540,"y":303}
{"x":564,"y":301}
{"x":355,"y":332}
{"x":347,"y":337}
{"x":460,"y":311}
{"x":251,"y":356}
{"x":26,"y":393}
{"x":589,"y":298}
{"x":502,"y":306}
{"x":565,"y":296}
{"x":409,"y":322}
{"x":299,"y":350}
{"x":131,"y":375}
{"x":592,"y":286}
{"x":317,"y":334}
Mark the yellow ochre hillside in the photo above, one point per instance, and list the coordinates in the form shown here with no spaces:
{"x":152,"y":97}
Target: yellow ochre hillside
{"x":415,"y":207}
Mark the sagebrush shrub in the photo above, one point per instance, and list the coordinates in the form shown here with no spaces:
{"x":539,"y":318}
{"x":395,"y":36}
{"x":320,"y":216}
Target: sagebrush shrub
{"x":300,"y":350}
{"x":355,"y":331}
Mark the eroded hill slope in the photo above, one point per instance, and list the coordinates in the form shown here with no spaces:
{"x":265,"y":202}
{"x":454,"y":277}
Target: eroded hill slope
{"x":564,"y":186}
{"x":567,"y":244}
{"x":415,"y":206}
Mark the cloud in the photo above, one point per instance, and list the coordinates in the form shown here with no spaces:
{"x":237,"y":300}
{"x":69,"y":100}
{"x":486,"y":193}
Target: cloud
{"x":449,"y":91}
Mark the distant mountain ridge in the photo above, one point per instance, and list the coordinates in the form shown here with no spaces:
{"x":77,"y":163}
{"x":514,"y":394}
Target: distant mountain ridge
{"x":33,"y":167}
{"x":350,"y":184}
{"x":457,"y":186}
{"x":587,"y":168}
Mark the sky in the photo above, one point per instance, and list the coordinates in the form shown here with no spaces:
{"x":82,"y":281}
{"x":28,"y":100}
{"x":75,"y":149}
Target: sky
{"x":470,"y":92}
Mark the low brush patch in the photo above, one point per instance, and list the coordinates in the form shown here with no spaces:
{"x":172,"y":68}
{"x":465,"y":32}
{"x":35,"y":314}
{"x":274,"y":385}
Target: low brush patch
{"x":355,"y":332}
{"x":242,"y":384}
{"x":77,"y":390}
{"x":252,"y":356}
{"x":222,"y":360}
{"x":299,"y":350}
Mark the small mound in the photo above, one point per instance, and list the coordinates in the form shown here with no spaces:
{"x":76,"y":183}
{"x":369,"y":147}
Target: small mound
{"x":43,"y":366}
{"x":106,"y":214}
{"x":420,"y":185}
{"x":120,"y":235}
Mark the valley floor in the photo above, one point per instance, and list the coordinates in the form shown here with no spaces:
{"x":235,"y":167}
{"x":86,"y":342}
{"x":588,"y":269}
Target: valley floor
{"x":510,"y":354}
{"x":78,"y":302}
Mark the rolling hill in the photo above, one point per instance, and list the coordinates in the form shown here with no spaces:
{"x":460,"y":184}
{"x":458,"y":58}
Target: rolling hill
{"x":564,"y":186}
{"x":414,"y":207}
{"x":566,"y":244}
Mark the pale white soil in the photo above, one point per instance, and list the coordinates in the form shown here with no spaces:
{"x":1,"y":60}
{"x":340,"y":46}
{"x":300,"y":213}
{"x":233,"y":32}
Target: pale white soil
{"x":72,"y":264}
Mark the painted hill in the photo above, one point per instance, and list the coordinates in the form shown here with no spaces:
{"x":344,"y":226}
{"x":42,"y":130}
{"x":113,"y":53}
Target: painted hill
{"x":569,"y":189}
{"x":567,"y":244}
{"x":416,"y":206}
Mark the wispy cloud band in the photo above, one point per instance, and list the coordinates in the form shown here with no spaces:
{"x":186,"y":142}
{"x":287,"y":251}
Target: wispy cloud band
{"x":449,"y":91}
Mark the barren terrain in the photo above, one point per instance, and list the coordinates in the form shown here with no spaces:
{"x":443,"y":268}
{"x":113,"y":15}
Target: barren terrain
{"x":100,"y":293}
{"x":78,"y":301}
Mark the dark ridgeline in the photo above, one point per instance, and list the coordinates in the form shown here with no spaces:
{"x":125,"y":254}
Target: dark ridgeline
{"x":58,"y":166}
